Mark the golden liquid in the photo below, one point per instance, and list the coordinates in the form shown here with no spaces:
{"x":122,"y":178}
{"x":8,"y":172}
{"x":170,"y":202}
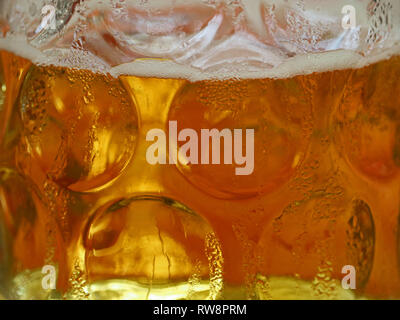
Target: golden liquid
{"x":77,"y":192}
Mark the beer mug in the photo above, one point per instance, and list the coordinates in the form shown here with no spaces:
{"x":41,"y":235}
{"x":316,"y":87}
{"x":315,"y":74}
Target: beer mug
{"x":203,"y":149}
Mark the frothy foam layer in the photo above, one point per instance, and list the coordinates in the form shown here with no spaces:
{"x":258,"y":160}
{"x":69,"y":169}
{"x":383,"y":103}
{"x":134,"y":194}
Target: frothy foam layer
{"x":298,"y":65}
{"x":199,"y":39}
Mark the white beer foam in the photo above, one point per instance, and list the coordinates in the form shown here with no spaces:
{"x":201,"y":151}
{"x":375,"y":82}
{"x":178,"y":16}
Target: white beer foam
{"x":298,"y":65}
{"x":281,"y":66}
{"x":70,"y":58}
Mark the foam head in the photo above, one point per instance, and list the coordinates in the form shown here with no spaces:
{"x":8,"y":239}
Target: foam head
{"x":200,"y":39}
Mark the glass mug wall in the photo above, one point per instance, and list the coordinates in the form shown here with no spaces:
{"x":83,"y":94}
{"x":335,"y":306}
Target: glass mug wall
{"x":109,"y":188}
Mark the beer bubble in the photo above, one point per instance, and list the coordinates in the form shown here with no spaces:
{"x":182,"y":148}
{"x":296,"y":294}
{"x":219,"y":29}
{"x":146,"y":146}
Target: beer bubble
{"x":78,"y":285}
{"x":79,"y":134}
{"x":159,"y":246}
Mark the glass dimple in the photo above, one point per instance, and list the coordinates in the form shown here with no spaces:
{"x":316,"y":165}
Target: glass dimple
{"x":79,"y":127}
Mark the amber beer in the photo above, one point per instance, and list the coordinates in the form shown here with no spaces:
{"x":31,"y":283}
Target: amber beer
{"x":77,"y":193}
